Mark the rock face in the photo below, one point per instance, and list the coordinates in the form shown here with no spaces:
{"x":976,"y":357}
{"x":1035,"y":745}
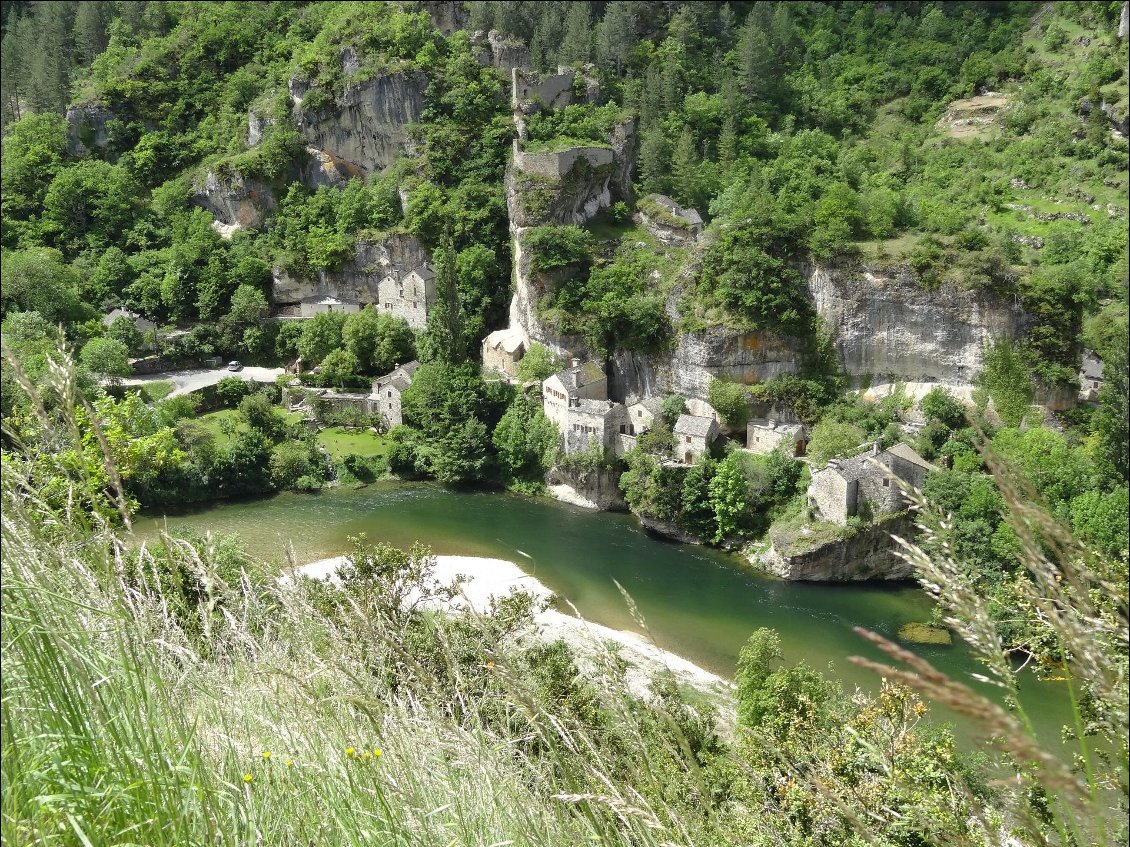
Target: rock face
{"x":86,"y":128}
{"x":1124,"y":22}
{"x":357,"y":281}
{"x":324,"y":168}
{"x":699,"y":357}
{"x":367,"y":125}
{"x":447,"y":15}
{"x":234,"y":201}
{"x":597,"y":489}
{"x":869,"y":554}
{"x":887,"y":328}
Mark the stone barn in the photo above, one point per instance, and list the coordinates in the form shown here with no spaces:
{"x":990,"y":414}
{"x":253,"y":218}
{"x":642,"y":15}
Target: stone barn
{"x":387,"y":392}
{"x":866,"y":482}
{"x":763,"y":436}
{"x":503,"y":349}
{"x":693,"y":437}
{"x":409,"y":297}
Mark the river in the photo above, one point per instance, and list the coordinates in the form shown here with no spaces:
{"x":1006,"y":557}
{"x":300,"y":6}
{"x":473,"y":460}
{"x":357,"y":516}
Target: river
{"x":696,"y":602}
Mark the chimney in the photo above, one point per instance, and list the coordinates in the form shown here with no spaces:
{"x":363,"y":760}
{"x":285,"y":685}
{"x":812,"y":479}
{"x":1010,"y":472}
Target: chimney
{"x":576,"y":362}
{"x":875,"y":449}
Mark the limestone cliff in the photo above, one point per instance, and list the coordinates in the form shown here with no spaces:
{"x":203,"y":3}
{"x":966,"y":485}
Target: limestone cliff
{"x":887,"y":328}
{"x":233,"y":199}
{"x":86,"y":128}
{"x":367,"y":123}
{"x":356,"y":281}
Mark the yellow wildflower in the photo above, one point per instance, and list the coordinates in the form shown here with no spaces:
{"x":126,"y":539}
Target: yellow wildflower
{"x":349,"y":751}
{"x":377,"y":752}
{"x":289,"y":763}
{"x":247,"y":777}
{"x":266,"y":754}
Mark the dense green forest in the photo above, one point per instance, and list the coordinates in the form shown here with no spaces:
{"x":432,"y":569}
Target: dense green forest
{"x":979,"y":146}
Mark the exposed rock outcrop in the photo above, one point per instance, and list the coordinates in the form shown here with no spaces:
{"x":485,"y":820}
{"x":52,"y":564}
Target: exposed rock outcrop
{"x":234,"y":200}
{"x":86,"y":128}
{"x":869,"y":554}
{"x":324,"y":168}
{"x":367,"y":124}
{"x":598,"y":489}
{"x":887,"y":328}
{"x":357,"y":280}
{"x":497,"y":51}
{"x":447,"y":15}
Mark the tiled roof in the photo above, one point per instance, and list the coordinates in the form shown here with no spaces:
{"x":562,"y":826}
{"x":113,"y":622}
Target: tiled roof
{"x":509,"y":340}
{"x":587,"y":373}
{"x":694,"y":425}
{"x":907,"y":453}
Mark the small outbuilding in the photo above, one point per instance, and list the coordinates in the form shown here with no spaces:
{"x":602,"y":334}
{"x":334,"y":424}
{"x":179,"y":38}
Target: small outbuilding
{"x":1090,"y":376}
{"x":503,"y":349}
{"x":387,"y":392}
{"x":693,"y":437}
{"x":764,"y":436}
{"x":143,"y":325}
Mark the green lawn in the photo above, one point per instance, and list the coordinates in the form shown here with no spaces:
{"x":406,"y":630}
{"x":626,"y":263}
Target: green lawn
{"x":339,"y":442}
{"x":213,"y":423}
{"x":159,"y":389}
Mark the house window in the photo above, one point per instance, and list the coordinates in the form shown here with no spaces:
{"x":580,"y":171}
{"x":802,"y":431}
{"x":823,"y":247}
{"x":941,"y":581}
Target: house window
{"x":886,"y":483}
{"x":413,"y":304}
{"x":688,"y":439}
{"x":639,"y":413}
{"x":1094,"y":385}
{"x":623,"y":429}
{"x":389,"y":393}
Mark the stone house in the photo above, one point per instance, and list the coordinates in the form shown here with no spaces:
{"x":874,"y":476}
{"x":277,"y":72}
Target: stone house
{"x":578,"y":382}
{"x":144,"y":325}
{"x":693,"y":437}
{"x":503,"y":349}
{"x":594,"y":422}
{"x":387,"y":392}
{"x":1090,"y":376}
{"x":866,"y":481}
{"x":409,"y":297}
{"x":668,"y":221}
{"x":763,"y":436}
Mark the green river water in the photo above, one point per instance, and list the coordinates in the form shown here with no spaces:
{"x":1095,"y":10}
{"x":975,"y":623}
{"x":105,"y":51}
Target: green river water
{"x":699,"y":603}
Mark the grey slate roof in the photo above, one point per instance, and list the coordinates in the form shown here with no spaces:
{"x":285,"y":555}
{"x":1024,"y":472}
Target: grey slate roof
{"x":907,"y":453}
{"x":587,"y":373}
{"x":693,"y":425}
{"x":1092,"y":366}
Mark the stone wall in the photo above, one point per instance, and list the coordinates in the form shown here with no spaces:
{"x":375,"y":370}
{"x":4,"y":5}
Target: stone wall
{"x":558,"y":164}
{"x":551,"y":91}
{"x":831,"y":496}
{"x":870,"y":554}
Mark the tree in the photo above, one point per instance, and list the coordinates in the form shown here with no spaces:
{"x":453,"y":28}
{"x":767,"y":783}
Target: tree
{"x":248,"y":306}
{"x":1007,"y":380}
{"x":729,"y":497}
{"x":939,"y":405}
{"x":321,"y":335}
{"x":107,"y":357}
{"x":378,"y":341}
{"x":443,"y":337}
{"x":730,"y":400}
{"x":462,"y":456}
{"x":577,"y":46}
{"x":526,"y":440}
{"x":259,"y":413}
{"x":37,"y":280}
{"x":538,"y":364}
{"x":91,"y":202}
{"x":339,"y":367}
{"x":616,"y":35}
{"x":124,"y":329}
{"x":832,"y":439}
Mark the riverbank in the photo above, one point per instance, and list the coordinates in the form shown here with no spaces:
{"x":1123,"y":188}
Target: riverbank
{"x":487,"y":578}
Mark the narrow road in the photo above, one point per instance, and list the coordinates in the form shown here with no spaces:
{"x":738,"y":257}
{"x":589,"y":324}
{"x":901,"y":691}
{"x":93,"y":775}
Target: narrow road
{"x":189,"y":381}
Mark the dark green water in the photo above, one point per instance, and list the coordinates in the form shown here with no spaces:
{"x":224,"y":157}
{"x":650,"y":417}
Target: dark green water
{"x":699,"y":603}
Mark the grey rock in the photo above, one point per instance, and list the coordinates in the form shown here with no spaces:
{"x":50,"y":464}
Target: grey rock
{"x":86,"y":123}
{"x":234,"y":200}
{"x":367,"y":125}
{"x":358,"y":279}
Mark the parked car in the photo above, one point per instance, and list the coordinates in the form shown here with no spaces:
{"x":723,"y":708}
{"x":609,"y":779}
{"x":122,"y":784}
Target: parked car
{"x":234,"y":366}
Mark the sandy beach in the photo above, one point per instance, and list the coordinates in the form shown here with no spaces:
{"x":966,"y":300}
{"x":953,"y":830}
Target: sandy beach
{"x":486,"y":578}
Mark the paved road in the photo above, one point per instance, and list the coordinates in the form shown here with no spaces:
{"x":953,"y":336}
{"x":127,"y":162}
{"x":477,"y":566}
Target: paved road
{"x":189,"y":381}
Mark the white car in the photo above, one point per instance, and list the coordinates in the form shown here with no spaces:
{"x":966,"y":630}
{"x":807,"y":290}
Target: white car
{"x":234,"y":366}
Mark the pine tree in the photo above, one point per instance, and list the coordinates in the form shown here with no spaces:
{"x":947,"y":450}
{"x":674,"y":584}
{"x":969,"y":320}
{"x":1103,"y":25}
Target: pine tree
{"x":727,"y":27}
{"x":576,"y":48}
{"x":90,"y":33}
{"x":684,"y":169}
{"x":728,"y":142}
{"x":617,"y":34}
{"x":655,"y":158}
{"x":443,"y":336}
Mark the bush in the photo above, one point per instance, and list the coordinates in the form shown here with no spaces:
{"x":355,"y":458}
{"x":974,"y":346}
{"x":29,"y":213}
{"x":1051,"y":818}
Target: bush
{"x":231,"y":389}
{"x":557,"y":246}
{"x":730,"y":400}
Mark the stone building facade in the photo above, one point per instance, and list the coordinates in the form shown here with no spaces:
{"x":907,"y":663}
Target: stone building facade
{"x":866,"y":482}
{"x":579,"y":382}
{"x":764,"y":436}
{"x":388,"y":390}
{"x":503,"y":349}
{"x":693,"y":437}
{"x":409,"y":297}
